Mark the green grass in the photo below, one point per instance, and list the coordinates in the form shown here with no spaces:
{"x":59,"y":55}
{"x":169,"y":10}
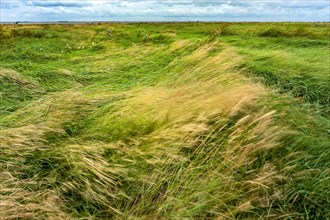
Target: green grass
{"x":165,"y":121}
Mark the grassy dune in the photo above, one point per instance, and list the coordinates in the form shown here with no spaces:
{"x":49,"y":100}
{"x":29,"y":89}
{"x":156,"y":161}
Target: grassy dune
{"x":165,"y":121}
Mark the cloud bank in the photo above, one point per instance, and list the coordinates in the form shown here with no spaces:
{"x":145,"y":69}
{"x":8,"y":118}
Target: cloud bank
{"x":165,"y":10}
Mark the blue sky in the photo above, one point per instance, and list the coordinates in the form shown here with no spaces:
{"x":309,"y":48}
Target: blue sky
{"x":165,"y":10}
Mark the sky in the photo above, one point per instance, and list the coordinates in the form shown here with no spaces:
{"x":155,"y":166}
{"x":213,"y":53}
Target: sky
{"x":165,"y":10}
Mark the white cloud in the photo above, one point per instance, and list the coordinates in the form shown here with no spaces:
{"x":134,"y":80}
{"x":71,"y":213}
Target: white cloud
{"x":139,"y":10}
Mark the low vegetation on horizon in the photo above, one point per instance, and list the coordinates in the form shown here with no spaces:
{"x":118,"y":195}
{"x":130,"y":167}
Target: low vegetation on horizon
{"x":165,"y":121}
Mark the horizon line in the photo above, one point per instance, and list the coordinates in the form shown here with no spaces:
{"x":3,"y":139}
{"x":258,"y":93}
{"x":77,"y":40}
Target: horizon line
{"x":192,"y":21}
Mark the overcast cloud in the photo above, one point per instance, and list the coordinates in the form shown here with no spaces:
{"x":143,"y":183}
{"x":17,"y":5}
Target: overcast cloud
{"x":165,"y":10}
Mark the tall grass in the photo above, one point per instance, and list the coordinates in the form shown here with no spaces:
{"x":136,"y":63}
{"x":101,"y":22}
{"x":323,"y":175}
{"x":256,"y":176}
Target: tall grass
{"x":179,"y":132}
{"x":151,"y":160}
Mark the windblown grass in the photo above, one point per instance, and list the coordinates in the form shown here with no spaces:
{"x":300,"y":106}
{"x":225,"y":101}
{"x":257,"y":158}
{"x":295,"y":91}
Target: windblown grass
{"x":171,"y":121}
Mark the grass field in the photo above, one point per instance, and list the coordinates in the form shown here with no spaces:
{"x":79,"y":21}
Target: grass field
{"x":165,"y":121}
